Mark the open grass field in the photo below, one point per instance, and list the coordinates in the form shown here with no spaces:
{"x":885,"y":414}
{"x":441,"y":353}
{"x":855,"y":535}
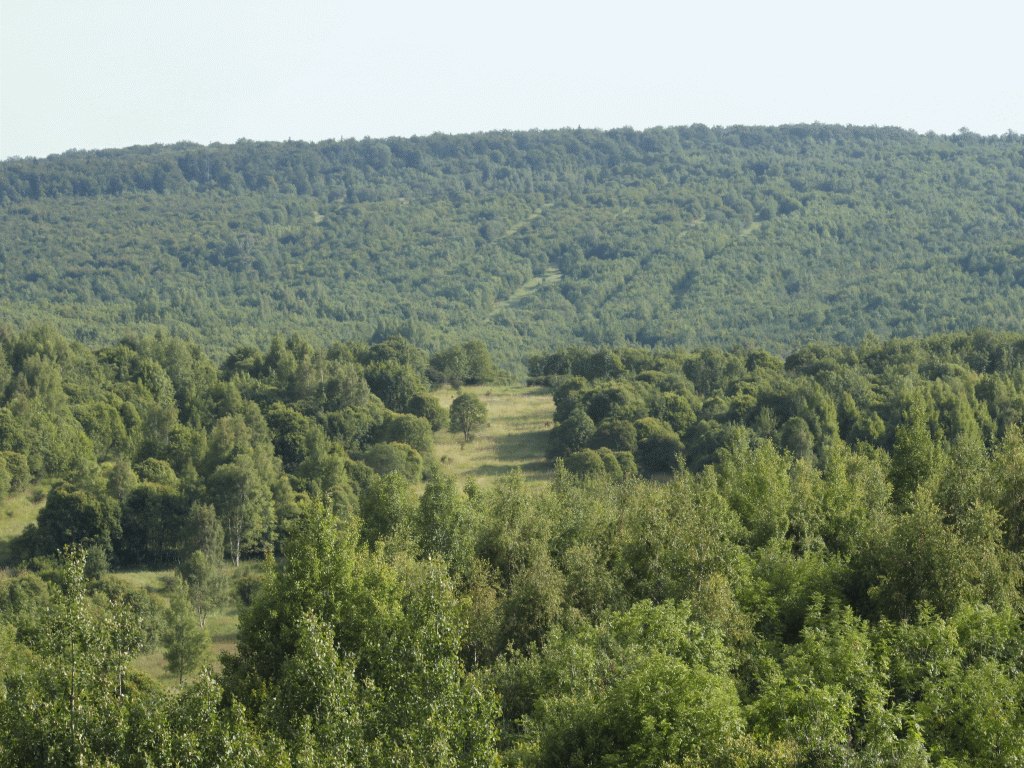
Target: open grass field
{"x":516,"y":435}
{"x":16,"y":512}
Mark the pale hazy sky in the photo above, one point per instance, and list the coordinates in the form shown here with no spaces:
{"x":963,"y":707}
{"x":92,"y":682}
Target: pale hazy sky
{"x":103,"y":73}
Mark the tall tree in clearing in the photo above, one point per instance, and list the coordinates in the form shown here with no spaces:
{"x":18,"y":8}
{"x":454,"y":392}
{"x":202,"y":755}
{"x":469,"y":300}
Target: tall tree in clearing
{"x":467,"y":415}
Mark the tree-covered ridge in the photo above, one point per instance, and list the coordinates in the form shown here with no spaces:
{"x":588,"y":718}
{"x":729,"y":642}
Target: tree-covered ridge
{"x":531,"y":240}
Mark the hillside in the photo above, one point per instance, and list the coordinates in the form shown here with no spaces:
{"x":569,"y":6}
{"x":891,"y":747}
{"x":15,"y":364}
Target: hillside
{"x":528,"y":241}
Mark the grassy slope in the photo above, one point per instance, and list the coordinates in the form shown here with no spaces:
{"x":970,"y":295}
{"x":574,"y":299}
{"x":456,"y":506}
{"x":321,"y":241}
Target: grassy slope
{"x":16,"y":512}
{"x":519,"y":419}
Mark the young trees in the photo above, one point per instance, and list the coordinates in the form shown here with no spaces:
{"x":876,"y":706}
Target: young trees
{"x":184,"y":640}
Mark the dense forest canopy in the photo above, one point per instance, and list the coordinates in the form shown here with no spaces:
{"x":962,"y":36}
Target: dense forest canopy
{"x":824,"y":570}
{"x":528,"y":240}
{"x":783,"y":522}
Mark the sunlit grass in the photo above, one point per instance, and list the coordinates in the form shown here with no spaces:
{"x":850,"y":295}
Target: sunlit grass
{"x":516,"y":435}
{"x":17,"y":511}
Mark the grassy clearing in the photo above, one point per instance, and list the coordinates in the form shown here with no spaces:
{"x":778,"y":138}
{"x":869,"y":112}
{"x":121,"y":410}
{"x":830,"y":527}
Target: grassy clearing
{"x":221,"y":625}
{"x":516,"y":435}
{"x":17,"y":511}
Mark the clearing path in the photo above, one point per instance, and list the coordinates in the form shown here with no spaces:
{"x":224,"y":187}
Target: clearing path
{"x":516,"y":436}
{"x":522,"y":293}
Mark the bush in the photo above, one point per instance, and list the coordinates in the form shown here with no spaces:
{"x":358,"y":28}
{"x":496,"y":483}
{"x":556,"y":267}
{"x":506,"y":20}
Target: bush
{"x":395,"y":457}
{"x":17,"y":467}
{"x":429,"y":408}
{"x":585,"y":463}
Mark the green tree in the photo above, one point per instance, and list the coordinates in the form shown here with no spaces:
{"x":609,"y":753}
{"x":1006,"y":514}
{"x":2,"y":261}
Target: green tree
{"x":915,"y":456}
{"x":206,"y":583}
{"x":184,"y":640}
{"x":429,"y":408}
{"x":74,"y":515}
{"x":244,"y":502}
{"x":397,"y":625}
{"x":467,"y":415}
{"x":384,"y":458}
{"x":572,"y":434}
{"x":74,"y":701}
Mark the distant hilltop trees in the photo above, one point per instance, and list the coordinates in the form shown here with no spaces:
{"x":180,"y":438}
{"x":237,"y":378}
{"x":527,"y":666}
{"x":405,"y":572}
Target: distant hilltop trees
{"x":528,"y":241}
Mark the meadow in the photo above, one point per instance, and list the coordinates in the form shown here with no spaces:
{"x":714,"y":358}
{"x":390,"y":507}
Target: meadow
{"x":515,"y":437}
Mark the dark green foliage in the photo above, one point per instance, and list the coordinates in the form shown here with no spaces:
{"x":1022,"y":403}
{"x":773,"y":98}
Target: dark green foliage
{"x":524,"y":241}
{"x":405,"y":428}
{"x":659,"y":448}
{"x":402,"y":458}
{"x":572,"y":434}
{"x":906,"y":397}
{"x":394,"y":383}
{"x":428,"y":407}
{"x":75,"y":515}
{"x":153,"y":525}
{"x":617,"y":434}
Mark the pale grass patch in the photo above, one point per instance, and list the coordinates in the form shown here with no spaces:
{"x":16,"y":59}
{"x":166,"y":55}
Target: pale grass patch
{"x":16,"y":512}
{"x":516,"y":435}
{"x":221,"y":625}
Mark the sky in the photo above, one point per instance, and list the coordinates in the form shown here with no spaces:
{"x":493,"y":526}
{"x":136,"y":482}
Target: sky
{"x":88,"y":74}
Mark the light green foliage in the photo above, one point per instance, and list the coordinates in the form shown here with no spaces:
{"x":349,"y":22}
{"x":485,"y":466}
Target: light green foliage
{"x":830,"y":574}
{"x":443,"y":520}
{"x":829,"y":705}
{"x":467,"y":415}
{"x":206,"y":582}
{"x":756,"y":481}
{"x":397,"y":630}
{"x":244,"y":502}
{"x":185,"y":642}
{"x":66,"y":703}
{"x":644,"y":687}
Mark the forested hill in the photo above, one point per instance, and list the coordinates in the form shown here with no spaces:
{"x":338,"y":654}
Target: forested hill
{"x":525,"y":240}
